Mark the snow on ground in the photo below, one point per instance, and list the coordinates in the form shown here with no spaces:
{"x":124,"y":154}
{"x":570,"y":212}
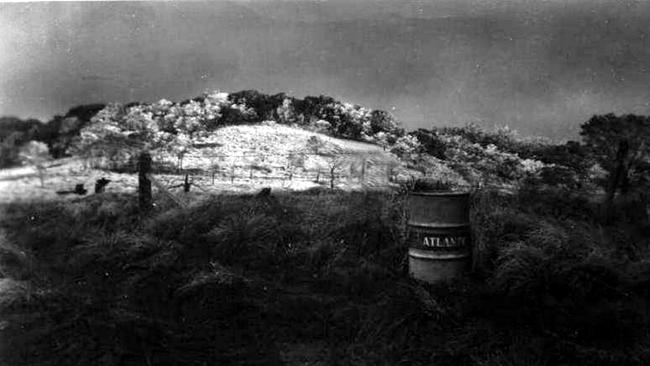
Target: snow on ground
{"x":245,"y":158}
{"x":271,"y":146}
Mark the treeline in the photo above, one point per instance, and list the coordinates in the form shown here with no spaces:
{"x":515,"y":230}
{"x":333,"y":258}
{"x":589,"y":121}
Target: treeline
{"x":568,"y":164}
{"x":614,"y":154}
{"x":202,"y":115}
{"x":57,"y":133}
{"x":117,"y":133}
{"x":345,"y":120}
{"x":214,"y":110}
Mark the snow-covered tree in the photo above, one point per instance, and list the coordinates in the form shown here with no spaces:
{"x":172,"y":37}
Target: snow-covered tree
{"x":406,"y":146}
{"x":287,"y":113}
{"x":36,"y":154}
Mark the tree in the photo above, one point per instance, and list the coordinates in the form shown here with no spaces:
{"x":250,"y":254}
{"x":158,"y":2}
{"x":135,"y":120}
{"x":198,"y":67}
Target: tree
{"x":14,"y":133}
{"x":28,"y":128}
{"x":381,"y":121}
{"x":264,"y":106}
{"x":120,"y":134}
{"x":431,"y":143}
{"x":358,"y":167}
{"x":180,"y":146}
{"x":296,"y":160}
{"x":335,"y":164}
{"x":621,"y":146}
{"x":35,"y":153}
{"x":406,"y":146}
{"x":286,"y":113}
{"x":9,"y":149}
{"x":315,"y":145}
{"x":62,"y":132}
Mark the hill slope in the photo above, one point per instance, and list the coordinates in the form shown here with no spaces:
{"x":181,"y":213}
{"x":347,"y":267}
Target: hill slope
{"x":275,"y":146}
{"x":231,"y":159}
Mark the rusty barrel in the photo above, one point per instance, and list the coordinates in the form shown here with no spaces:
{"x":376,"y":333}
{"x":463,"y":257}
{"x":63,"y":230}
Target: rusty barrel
{"x":439,"y":235}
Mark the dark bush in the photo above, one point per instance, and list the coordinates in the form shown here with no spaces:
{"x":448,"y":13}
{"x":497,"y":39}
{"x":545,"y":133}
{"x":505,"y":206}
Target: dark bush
{"x":265,"y":106}
{"x":431,"y":144}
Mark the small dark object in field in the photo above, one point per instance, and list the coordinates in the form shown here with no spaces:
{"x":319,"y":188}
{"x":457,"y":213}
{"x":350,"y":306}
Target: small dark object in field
{"x":100,"y":184}
{"x":265,"y":192}
{"x":78,"y":189}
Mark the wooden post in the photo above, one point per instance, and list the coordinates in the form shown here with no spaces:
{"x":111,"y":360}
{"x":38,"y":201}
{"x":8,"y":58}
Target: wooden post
{"x":144,"y":184}
{"x":41,"y":174}
{"x":180,"y":161}
{"x":186,"y":184}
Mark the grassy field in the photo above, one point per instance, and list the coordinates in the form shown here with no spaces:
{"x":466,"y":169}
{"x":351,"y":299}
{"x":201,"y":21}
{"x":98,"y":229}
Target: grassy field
{"x":317,"y":278}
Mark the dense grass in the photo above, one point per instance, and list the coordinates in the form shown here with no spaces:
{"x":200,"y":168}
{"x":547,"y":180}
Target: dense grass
{"x":239,"y":279}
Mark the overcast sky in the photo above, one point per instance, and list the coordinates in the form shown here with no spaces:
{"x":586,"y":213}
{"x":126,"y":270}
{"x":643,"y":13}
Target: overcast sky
{"x":541,"y":67}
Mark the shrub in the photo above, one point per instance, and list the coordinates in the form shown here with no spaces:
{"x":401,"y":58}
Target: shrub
{"x":431,"y":143}
{"x":406,"y":146}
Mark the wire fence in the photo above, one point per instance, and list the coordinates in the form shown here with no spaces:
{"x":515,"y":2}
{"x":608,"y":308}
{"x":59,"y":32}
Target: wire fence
{"x":330,"y":168}
{"x":215,"y":174}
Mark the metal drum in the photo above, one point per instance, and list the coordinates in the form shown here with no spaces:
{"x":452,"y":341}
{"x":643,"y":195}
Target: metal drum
{"x":439,"y":235}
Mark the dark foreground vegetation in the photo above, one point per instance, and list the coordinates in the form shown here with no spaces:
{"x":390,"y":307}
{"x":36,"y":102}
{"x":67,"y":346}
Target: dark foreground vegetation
{"x":243,"y":280}
{"x":560,"y":269}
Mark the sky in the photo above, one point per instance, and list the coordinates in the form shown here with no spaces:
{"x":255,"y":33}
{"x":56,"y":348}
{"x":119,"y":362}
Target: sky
{"x":539,"y":67}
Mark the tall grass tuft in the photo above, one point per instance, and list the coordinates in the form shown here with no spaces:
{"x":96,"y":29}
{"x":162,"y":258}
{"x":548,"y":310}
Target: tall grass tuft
{"x":247,"y":237}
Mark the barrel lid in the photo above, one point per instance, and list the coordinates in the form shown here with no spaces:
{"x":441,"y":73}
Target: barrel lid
{"x":440,"y":193}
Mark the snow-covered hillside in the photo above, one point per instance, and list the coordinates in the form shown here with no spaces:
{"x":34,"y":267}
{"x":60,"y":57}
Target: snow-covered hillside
{"x":240,"y":158}
{"x":278,"y":151}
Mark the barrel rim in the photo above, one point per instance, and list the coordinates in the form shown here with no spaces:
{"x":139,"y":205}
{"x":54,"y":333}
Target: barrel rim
{"x":434,"y":225}
{"x":433,"y":255}
{"x":440,"y":193}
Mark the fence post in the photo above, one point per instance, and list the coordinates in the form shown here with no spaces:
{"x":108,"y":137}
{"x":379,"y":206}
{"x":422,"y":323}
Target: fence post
{"x":186,"y":184}
{"x":144,"y":184}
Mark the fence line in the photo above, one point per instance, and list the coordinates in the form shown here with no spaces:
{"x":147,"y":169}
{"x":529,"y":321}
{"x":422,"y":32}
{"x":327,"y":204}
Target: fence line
{"x":162,"y":189}
{"x":322,"y":154}
{"x":336,"y":167}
